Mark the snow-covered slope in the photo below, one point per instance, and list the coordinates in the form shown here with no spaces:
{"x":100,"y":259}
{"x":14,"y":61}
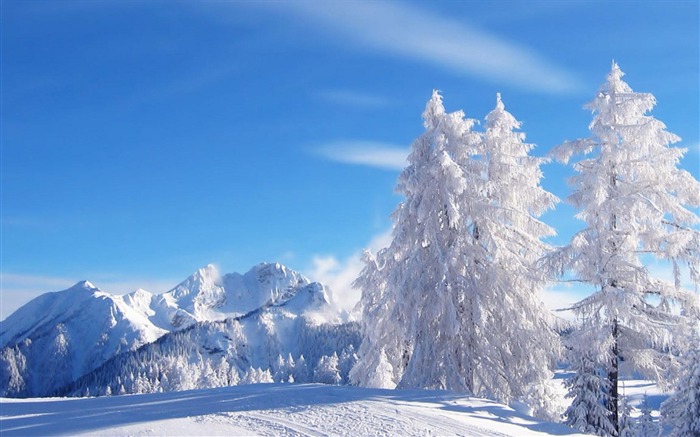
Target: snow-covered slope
{"x":60,"y":336}
{"x":271,"y":410}
{"x":83,"y":305}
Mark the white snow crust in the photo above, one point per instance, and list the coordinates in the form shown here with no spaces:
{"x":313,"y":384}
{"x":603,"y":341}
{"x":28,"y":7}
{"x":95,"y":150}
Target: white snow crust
{"x":273,"y":410}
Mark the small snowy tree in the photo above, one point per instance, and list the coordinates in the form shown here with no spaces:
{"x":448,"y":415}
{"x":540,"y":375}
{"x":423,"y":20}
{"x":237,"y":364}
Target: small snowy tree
{"x":646,"y":426}
{"x":251,"y":376}
{"x":451,"y":303}
{"x":627,"y":424}
{"x":326,"y":371}
{"x":588,"y":388}
{"x":681,"y":411}
{"x":300,"y":372}
{"x":632,"y":197}
{"x":234,"y":378}
{"x":281,"y":370}
{"x":265,"y":376}
{"x":381,"y":377}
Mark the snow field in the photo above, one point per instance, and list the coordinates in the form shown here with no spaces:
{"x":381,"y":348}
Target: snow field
{"x":272,"y":410}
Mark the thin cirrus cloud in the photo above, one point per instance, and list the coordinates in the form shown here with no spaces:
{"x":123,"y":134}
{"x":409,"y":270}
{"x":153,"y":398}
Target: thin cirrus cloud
{"x":373,"y":154}
{"x":352,"y":98}
{"x":413,"y":33}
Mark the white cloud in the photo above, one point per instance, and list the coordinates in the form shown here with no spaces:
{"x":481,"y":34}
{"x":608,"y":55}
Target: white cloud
{"x":339,"y":275}
{"x":414,"y":33}
{"x":693,"y":149}
{"x":353,"y":98}
{"x":373,"y":154}
{"x":17,"y":289}
{"x":559,"y":298}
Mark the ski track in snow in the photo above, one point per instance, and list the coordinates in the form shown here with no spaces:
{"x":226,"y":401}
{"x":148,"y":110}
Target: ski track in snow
{"x":272,"y":410}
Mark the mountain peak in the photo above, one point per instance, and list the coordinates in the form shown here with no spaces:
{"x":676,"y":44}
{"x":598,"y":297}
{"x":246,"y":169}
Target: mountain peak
{"x":84,"y":284}
{"x":201,"y":281}
{"x":87,"y":326}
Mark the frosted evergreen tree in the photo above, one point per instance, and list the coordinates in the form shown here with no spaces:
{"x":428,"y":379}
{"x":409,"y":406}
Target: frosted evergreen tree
{"x":251,"y":376}
{"x":632,"y":197}
{"x":646,"y":426}
{"x":681,"y":411}
{"x":393,"y":281}
{"x":451,"y":303}
{"x":589,"y":390}
{"x":326,"y":371}
{"x":265,"y":376}
{"x":300,"y":371}
{"x":234,"y":378}
{"x":626,"y":422}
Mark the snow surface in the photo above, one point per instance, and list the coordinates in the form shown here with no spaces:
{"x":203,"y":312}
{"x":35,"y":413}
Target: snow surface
{"x":272,"y":410}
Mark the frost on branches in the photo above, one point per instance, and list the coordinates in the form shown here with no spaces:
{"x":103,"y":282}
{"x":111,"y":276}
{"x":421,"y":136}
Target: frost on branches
{"x":632,"y":197}
{"x":589,"y":390}
{"x":451,"y":303}
{"x":681,"y":412}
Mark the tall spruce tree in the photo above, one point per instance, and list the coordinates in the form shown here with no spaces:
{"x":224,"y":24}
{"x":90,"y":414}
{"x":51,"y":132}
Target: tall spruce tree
{"x":633,"y":199}
{"x":452,"y":302}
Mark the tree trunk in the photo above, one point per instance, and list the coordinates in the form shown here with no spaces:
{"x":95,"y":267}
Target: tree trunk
{"x":613,"y":377}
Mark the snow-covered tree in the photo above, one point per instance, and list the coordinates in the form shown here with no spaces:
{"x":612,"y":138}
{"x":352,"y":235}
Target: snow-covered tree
{"x":646,"y":426}
{"x":681,"y":411}
{"x":346,"y":361}
{"x":234,"y":378}
{"x":326,"y":371}
{"x":632,"y":197}
{"x":589,"y":390}
{"x":257,"y":376}
{"x":300,"y":372}
{"x":626,"y":422}
{"x":451,"y":303}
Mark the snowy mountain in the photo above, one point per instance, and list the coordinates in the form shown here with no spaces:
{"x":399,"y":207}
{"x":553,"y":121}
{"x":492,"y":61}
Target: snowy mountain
{"x":280,"y":342}
{"x":207,"y":296}
{"x":60,"y":336}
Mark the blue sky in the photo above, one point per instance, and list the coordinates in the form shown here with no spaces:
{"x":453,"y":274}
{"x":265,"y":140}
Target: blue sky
{"x":143,"y":140}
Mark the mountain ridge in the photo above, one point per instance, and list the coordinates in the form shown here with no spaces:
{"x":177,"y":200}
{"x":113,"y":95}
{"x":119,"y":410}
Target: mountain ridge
{"x":60,"y":336}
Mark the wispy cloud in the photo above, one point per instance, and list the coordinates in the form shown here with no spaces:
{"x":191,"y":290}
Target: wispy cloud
{"x":693,"y":148}
{"x":373,"y":154}
{"x":339,"y":274}
{"x":353,"y":98}
{"x":16,"y":290}
{"x":414,"y":33}
{"x":559,"y":297}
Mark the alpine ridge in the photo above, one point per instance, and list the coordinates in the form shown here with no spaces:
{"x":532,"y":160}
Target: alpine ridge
{"x":61,"y":336}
